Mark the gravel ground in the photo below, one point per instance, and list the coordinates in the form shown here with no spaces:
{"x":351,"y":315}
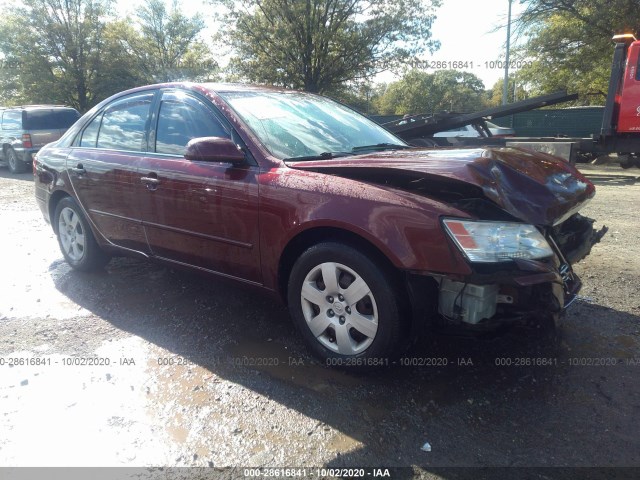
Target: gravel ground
{"x":198,"y":372}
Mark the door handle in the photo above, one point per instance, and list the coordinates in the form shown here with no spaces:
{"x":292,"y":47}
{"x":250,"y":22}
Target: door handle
{"x":151,"y":181}
{"x":79,"y":169}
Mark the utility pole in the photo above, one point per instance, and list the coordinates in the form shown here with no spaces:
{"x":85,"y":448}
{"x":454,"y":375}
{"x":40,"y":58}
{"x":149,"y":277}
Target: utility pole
{"x":505,"y":87}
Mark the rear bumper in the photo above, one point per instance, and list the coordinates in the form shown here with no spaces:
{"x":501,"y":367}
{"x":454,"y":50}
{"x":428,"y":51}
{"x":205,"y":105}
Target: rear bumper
{"x":26,"y":154}
{"x":42,"y":199}
{"x":44,"y":181}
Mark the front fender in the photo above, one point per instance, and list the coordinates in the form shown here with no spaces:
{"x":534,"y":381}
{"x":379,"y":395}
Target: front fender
{"x":405,"y":227}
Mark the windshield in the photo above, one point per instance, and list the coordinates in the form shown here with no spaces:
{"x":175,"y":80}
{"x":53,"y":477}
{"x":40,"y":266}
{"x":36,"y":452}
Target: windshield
{"x":300,"y":125}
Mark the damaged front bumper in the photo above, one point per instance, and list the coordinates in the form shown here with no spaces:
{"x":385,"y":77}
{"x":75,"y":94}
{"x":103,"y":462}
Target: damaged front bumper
{"x":519,"y":290}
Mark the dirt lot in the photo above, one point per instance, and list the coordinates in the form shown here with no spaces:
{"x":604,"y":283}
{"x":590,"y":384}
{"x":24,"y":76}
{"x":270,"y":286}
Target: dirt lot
{"x":197,"y":372}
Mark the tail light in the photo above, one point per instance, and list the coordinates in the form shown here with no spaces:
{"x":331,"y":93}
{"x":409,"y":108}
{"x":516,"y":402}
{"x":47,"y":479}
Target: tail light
{"x":26,"y":140}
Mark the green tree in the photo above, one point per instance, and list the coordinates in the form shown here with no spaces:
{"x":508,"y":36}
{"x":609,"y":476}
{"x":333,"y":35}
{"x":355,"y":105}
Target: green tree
{"x":317,"y":45}
{"x":118,"y":69}
{"x":52,"y":51}
{"x":166,"y":44}
{"x":357,"y":95}
{"x":421,"y":92}
{"x":72,"y":52}
{"x":494,"y":95}
{"x":570,"y":44}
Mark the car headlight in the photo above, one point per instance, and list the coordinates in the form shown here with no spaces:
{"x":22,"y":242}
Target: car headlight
{"x":497,"y":241}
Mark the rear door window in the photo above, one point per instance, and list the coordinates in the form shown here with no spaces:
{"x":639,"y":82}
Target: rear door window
{"x":124,"y":124}
{"x":12,"y":120}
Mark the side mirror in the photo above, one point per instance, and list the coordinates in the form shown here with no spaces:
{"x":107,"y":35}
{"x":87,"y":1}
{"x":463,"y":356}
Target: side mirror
{"x":214,"y":149}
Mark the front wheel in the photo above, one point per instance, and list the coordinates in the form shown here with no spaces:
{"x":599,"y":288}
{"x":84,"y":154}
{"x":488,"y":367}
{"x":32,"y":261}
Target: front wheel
{"x":345,"y":306}
{"x":75,"y":238}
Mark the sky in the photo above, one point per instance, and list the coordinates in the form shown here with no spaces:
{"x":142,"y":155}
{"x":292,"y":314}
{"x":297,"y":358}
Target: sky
{"x":472,"y":32}
{"x":467,"y":32}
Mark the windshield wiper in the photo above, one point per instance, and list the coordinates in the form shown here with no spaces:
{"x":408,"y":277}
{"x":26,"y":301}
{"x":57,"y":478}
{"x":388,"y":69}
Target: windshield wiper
{"x":320,"y":156}
{"x":379,"y":146}
{"x":362,"y":148}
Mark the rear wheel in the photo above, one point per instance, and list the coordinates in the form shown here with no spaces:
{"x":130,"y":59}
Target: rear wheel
{"x":75,"y":238}
{"x":345,"y":307}
{"x":15,"y":164}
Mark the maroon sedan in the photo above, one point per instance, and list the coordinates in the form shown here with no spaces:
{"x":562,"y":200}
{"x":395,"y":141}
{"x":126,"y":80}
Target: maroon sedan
{"x":366,"y":239}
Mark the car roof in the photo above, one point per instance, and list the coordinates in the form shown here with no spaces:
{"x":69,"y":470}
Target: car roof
{"x":240,"y":87}
{"x":213,"y":87}
{"x":38,"y":107}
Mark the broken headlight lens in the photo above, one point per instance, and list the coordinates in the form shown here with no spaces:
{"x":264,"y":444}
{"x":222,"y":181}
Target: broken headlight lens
{"x":497,"y":241}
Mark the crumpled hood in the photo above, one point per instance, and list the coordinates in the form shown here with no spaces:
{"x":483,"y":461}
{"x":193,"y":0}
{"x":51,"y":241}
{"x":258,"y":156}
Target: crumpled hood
{"x":535,"y":187}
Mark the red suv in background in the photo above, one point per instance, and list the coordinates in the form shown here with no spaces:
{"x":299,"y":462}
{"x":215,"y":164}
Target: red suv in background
{"x":364,"y":237}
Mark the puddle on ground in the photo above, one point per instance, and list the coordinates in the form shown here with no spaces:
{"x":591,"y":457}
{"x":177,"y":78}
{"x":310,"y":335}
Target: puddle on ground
{"x":627,"y":341}
{"x":274,"y":359}
{"x":344,"y":443}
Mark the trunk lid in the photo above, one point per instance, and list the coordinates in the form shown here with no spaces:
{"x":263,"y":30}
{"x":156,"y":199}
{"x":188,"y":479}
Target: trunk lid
{"x":46,"y":125}
{"x":39,"y":138}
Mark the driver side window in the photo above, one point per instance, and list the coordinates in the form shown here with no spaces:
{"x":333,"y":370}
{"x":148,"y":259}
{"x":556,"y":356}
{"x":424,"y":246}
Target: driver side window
{"x":180,"y":121}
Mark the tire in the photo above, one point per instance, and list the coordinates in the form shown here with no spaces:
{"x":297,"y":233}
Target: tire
{"x":76,"y":240}
{"x":364,"y":328}
{"x":15,"y":164}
